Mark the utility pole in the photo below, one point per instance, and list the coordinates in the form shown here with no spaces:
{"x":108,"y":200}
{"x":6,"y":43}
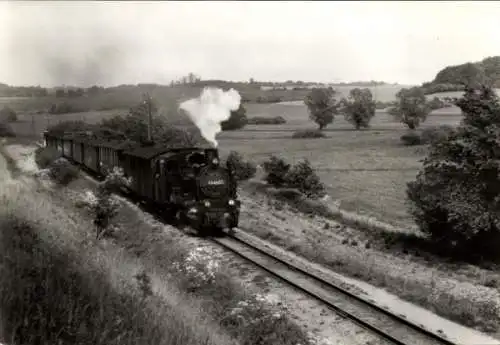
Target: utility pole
{"x":150,"y":117}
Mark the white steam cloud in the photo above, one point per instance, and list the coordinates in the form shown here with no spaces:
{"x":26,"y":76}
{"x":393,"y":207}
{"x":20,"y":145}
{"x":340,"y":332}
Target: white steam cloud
{"x":210,"y":109}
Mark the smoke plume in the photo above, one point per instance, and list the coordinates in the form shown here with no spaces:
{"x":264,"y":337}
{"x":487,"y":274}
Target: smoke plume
{"x":212,"y":107}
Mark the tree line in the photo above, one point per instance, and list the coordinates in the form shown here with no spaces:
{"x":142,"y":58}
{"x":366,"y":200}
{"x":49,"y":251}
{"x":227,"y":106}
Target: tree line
{"x":410,"y":108}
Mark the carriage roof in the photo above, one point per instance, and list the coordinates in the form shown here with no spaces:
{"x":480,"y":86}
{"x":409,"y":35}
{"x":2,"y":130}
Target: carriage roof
{"x":149,"y":152}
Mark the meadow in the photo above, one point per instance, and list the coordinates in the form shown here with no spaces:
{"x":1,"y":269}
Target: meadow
{"x":365,"y":171}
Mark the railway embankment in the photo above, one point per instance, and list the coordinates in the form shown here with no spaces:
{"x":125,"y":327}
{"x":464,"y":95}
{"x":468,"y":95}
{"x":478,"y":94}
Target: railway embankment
{"x":391,"y":259}
{"x":60,"y":286}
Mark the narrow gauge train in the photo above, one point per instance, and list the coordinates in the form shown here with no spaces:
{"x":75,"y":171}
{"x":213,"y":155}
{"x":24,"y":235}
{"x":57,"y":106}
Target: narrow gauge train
{"x":186,"y":183}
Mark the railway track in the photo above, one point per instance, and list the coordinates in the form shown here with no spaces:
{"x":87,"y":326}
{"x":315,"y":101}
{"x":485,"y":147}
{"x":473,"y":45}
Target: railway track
{"x":388,"y":326}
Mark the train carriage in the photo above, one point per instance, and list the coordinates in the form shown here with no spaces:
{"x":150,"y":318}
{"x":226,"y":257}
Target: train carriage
{"x":187,"y":182}
{"x":109,"y":154}
{"x":136,"y":163}
{"x":78,"y":150}
{"x":67,"y":147}
{"x":91,"y":156}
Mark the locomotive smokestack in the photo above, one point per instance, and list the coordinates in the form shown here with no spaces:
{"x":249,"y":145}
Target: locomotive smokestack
{"x":212,"y":107}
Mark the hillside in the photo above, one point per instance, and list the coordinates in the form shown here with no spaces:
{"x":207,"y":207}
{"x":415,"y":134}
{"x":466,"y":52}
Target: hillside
{"x":452,"y":78}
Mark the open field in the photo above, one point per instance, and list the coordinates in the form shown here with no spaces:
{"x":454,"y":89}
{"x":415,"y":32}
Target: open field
{"x":366,"y":171}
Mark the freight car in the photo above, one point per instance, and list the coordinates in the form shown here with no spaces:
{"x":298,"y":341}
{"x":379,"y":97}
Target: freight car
{"x":188,"y":184}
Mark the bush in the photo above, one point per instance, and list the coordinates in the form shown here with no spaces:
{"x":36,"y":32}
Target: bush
{"x":435,"y":134}
{"x":456,"y":196}
{"x":411,"y":138}
{"x":63,"y":172}
{"x":308,"y":134}
{"x":69,"y":126}
{"x":102,"y":205}
{"x":45,"y":156}
{"x":303,"y":177}
{"x":8,"y":114}
{"x":66,"y":107}
{"x":276,"y":170}
{"x":6,"y":131}
{"x":243,"y":170}
{"x":259,"y":120}
{"x":60,"y":169}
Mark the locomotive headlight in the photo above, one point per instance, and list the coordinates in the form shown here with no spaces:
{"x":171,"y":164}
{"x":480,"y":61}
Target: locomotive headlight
{"x":215,"y":161}
{"x":207,"y":203}
{"x":231,"y":202}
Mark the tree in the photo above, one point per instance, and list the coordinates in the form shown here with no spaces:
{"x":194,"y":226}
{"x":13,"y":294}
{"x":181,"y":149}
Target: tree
{"x":237,"y":119}
{"x":411,"y":108}
{"x":359,"y":108}
{"x":241,"y":168}
{"x":60,"y":93}
{"x":8,"y":114}
{"x":322,"y":106}
{"x":456,"y":196}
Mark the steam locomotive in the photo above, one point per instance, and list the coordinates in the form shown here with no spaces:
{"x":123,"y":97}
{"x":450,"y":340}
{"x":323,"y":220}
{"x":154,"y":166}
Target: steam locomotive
{"x":187,"y":184}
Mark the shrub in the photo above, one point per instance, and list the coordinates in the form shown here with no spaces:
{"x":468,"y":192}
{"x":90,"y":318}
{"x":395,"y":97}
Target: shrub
{"x":276,"y":170}
{"x":243,"y":170}
{"x":63,"y":172}
{"x":66,"y":107}
{"x":301,"y":176}
{"x":8,"y":114}
{"x":308,"y":134}
{"x":411,"y":138}
{"x":44,"y":156}
{"x":436,"y":134}
{"x":60,"y":169}
{"x":456,"y":196}
{"x":6,"y":131}
{"x":259,"y":120}
{"x":102,"y":205}
{"x":69,"y":126}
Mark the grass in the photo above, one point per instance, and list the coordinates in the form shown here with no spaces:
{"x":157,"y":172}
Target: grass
{"x":58,"y":286}
{"x":395,"y":261}
{"x":366,"y":171}
{"x":166,"y":257}
{"x":201,"y":277}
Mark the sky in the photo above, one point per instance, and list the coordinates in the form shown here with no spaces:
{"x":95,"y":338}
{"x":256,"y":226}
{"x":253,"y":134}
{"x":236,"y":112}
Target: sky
{"x":111,"y":43}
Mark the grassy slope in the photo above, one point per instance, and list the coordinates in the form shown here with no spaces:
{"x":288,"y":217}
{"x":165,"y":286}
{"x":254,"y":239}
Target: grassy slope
{"x":59,"y":285}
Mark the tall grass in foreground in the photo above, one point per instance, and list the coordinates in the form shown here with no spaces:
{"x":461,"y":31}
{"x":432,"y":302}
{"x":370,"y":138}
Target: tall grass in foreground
{"x":58,"y":287}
